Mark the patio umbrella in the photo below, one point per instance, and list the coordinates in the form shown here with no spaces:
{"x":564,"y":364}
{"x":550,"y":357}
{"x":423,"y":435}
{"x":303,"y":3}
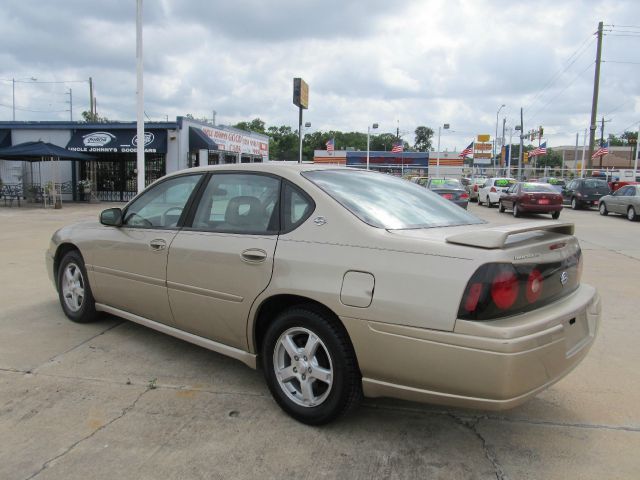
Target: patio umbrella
{"x":38,"y":152}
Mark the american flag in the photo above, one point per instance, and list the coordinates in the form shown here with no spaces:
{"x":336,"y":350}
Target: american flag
{"x":330,"y":145}
{"x":541,"y":150}
{"x":466,"y":151}
{"x":397,"y":147}
{"x":602,"y":151}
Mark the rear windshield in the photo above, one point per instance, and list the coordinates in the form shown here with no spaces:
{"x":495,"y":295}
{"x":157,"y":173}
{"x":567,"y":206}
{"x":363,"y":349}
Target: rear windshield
{"x":503,"y":182}
{"x":556,"y":181}
{"x":537,"y":187}
{"x":385,"y":201}
{"x":445,"y":183}
{"x":596,"y":184}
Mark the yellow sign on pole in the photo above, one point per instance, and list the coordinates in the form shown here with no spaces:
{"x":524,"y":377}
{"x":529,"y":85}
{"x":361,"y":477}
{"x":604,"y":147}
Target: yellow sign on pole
{"x":484,"y":137}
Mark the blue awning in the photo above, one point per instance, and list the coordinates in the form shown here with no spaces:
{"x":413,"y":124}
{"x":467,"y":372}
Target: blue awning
{"x":198,"y":140}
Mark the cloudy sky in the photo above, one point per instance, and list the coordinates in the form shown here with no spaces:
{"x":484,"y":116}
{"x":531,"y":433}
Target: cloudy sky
{"x":401,"y":62}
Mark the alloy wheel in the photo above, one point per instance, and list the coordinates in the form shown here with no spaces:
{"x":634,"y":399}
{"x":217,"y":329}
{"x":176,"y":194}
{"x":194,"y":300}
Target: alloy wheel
{"x":73,"y":287}
{"x":303,"y":367}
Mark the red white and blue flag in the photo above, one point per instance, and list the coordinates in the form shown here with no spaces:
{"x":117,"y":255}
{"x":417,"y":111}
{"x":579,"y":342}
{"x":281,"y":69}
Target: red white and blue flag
{"x":466,"y":151}
{"x":330,"y":145}
{"x":602,"y":151}
{"x":397,"y":147}
{"x":541,"y":150}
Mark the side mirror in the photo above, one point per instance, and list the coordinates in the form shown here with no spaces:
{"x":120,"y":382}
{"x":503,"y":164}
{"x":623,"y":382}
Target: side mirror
{"x":111,"y":217}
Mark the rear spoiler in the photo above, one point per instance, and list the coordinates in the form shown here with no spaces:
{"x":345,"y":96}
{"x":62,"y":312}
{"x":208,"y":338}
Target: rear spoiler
{"x":496,"y":237}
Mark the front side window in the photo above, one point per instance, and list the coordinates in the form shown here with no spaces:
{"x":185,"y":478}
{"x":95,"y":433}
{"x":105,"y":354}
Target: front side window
{"x":239,"y":203}
{"x":161,"y":206}
{"x":384,"y":201}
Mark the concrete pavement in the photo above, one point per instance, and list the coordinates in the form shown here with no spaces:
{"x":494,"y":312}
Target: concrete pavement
{"x":116,"y":400}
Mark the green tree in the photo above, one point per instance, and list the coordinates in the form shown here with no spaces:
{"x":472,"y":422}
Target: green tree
{"x":424,"y":135}
{"x":89,"y":117}
{"x":255,"y":125}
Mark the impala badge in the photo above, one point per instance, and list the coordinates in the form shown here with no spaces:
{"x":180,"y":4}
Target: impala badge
{"x":319,"y":221}
{"x":564,"y":278}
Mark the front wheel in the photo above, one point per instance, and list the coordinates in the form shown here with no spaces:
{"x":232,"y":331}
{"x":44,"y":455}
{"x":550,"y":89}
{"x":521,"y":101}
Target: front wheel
{"x":631,"y":214}
{"x":603,"y":209}
{"x":74,"y":290}
{"x":501,"y":208}
{"x":574,"y":204}
{"x":310,"y":366}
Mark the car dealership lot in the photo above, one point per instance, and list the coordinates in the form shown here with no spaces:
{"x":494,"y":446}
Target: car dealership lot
{"x":113,"y":399}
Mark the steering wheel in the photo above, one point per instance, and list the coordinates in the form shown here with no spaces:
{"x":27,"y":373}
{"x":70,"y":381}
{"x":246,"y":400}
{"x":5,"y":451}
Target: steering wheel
{"x":166,"y":212}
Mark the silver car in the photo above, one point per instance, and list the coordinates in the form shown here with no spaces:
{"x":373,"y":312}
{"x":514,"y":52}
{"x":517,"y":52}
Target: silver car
{"x":337,"y":283}
{"x":625,"y":201}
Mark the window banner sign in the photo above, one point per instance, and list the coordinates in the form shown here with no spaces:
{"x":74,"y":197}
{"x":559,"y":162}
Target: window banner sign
{"x":117,"y":141}
{"x":230,"y":141}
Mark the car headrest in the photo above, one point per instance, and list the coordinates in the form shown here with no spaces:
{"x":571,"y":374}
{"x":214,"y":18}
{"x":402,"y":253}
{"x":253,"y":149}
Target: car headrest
{"x":245,"y":211}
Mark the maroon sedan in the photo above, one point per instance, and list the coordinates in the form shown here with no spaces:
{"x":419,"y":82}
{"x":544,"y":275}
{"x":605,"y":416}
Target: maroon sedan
{"x":532,"y":198}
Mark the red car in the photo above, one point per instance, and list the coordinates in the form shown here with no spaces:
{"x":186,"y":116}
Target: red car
{"x":531,"y":198}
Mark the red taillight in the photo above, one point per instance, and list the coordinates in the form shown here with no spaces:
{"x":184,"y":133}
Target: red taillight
{"x":493,"y":189}
{"x":448,"y":196}
{"x":475,"y":188}
{"x":504,"y":289}
{"x":534,"y":285}
{"x":464,"y":196}
{"x":471,"y":302}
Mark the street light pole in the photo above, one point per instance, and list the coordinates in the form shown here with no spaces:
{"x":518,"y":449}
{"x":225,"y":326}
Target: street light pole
{"x":374,"y":126}
{"x":496,"y":137}
{"x":446,"y":127}
{"x":13,"y":89}
{"x":140,"y":100}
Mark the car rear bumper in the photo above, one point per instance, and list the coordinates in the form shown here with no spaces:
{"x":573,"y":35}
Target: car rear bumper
{"x":491,"y":365}
{"x":539,"y":208}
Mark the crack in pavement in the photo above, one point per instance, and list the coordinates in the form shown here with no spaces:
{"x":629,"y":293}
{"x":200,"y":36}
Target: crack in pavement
{"x":547,"y":423}
{"x":488,"y":452}
{"x":125,"y":410}
{"x":84,"y":342}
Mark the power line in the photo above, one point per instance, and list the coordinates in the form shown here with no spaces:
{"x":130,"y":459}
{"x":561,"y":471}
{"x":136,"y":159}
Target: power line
{"x":581,"y":49}
{"x":541,"y":109}
{"x":616,"y":61}
{"x":10,"y":80}
{"x":35,"y":111}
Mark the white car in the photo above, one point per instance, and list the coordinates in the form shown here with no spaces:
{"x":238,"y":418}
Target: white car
{"x":490,"y":192}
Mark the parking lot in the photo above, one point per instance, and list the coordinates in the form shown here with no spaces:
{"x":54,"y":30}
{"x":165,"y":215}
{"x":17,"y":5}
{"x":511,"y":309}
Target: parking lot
{"x":116,"y":400}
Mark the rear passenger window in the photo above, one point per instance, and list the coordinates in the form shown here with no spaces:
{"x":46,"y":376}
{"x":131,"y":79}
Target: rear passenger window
{"x":297,"y":207}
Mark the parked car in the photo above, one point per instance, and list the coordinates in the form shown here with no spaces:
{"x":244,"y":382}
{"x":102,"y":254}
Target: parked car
{"x":337,"y":282}
{"x":492,"y":188}
{"x":451,"y":189}
{"x":625,"y":201}
{"x":556,"y":183}
{"x":422,"y":181}
{"x":474,"y":185}
{"x":581,"y":192}
{"x":527,"y":197}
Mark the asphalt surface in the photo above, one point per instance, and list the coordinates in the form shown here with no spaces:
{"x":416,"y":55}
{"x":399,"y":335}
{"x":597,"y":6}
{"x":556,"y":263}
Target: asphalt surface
{"x":115,"y":400}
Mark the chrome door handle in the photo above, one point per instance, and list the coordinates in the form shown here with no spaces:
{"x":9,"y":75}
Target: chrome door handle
{"x":157,"y":244}
{"x":254,"y":255}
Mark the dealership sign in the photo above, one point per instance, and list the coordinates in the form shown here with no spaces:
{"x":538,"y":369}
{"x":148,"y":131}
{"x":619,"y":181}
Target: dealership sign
{"x":229,"y":141}
{"x":117,"y":141}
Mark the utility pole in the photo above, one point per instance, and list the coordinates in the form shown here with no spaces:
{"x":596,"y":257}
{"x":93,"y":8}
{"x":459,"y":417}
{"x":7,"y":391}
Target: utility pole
{"x":70,"y":93}
{"x":594,"y":103}
{"x":91,"y":97}
{"x":521,"y":146}
{"x":504,"y":123}
{"x":575,"y":154}
{"x":140,"y":100}
{"x":13,"y":89}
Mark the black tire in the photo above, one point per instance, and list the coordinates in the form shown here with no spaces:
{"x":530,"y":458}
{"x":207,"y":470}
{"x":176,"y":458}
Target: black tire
{"x":501,"y":208}
{"x":602,"y":208}
{"x":516,"y":210}
{"x":335,"y":351}
{"x":479,"y":202}
{"x":86,"y":311}
{"x":555,"y":215}
{"x":632,"y":216}
{"x":575,"y":205}
{"x":489,"y":204}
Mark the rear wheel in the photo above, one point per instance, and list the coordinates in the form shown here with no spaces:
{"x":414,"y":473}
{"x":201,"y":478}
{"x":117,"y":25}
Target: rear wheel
{"x":555,"y":215}
{"x":603,"y":209}
{"x":74,"y":290}
{"x":310,"y":366}
{"x":489,"y":204}
{"x":479,"y":201}
{"x":574,"y":204}
{"x":631,"y":214}
{"x":501,"y":208}
{"x":516,"y":210}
